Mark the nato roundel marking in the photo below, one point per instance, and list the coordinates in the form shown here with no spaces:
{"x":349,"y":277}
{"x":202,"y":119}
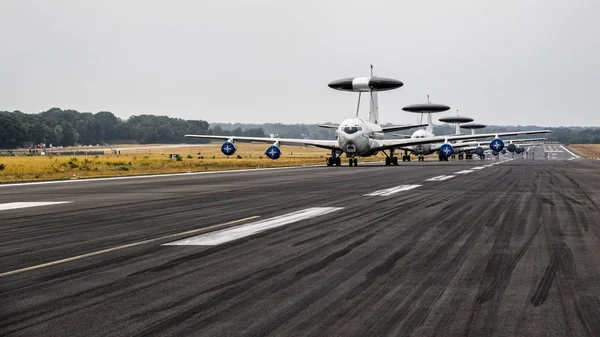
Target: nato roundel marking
{"x":511,"y":147}
{"x":273,"y":152}
{"x":228,"y":148}
{"x":497,"y":145}
{"x":446,"y":150}
{"x":479,"y":151}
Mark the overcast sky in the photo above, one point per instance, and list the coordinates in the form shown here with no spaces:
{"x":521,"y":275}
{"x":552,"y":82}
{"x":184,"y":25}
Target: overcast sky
{"x":500,"y":62}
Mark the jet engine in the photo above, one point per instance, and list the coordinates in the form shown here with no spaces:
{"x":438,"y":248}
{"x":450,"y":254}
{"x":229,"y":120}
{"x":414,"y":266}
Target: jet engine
{"x":446,"y":150}
{"x":273,"y":152}
{"x":497,"y":145}
{"x":511,"y":148}
{"x":503,"y":151}
{"x":495,"y":153}
{"x":479,"y":151}
{"x":519,"y":150}
{"x":228,"y":148}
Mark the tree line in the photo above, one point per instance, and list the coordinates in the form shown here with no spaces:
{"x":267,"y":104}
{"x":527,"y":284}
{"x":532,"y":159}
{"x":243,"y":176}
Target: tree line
{"x":58,"y":127}
{"x":70,"y":127}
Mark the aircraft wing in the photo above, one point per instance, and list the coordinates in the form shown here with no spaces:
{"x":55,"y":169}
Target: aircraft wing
{"x":401,"y":127}
{"x":326,"y":144}
{"x":386,"y":144}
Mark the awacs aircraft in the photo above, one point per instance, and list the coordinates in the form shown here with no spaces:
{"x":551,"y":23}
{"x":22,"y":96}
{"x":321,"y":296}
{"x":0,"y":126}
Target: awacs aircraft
{"x":444,"y":149}
{"x":356,"y":137}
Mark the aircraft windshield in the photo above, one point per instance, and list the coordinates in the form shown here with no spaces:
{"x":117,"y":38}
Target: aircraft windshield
{"x":351,"y":129}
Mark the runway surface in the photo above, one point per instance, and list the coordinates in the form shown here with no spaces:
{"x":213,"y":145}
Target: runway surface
{"x":474,"y":248}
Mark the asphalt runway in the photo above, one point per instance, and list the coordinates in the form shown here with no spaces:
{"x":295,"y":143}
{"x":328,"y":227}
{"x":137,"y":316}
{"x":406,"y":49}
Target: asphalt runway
{"x":476,"y":248}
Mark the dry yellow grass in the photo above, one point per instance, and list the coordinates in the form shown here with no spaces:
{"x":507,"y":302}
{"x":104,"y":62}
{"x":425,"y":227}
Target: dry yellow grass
{"x":135,"y":162}
{"x":586,"y":150}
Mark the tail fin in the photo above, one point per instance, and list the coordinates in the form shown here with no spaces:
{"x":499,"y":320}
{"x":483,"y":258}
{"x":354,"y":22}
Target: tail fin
{"x":374,"y":108}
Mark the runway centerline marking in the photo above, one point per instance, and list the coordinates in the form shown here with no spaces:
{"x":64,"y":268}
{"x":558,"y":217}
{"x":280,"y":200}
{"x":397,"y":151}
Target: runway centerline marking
{"x":464,"y":172}
{"x":241,"y":231}
{"x":17,"y":205}
{"x":440,"y":178}
{"x":390,"y":191}
{"x":478,"y":167}
{"x":129,"y":245}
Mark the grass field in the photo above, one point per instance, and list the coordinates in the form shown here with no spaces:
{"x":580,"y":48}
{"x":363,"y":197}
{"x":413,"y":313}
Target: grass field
{"x":195,"y":158}
{"x":586,"y":150}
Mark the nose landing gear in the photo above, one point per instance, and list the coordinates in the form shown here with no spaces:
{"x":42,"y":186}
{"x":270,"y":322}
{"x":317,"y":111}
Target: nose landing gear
{"x":353,"y":161}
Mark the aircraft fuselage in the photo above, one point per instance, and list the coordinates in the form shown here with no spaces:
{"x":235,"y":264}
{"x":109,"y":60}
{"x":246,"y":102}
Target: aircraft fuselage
{"x":355,"y":137}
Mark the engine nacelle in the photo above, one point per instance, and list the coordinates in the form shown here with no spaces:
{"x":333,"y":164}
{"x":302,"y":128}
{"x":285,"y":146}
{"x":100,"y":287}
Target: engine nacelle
{"x":497,"y":145}
{"x":495,"y":153}
{"x":511,"y":147}
{"x":228,"y":148}
{"x":273,"y":152}
{"x":446,"y":150}
{"x":479,"y":151}
{"x":503,"y":151}
{"x":519,"y":150}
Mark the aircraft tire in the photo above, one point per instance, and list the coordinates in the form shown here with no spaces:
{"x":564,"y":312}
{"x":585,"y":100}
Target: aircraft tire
{"x":355,"y":162}
{"x":395,"y":161}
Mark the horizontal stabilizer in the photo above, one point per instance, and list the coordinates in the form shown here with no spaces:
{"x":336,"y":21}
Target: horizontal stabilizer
{"x":328,"y":126}
{"x":401,"y":127}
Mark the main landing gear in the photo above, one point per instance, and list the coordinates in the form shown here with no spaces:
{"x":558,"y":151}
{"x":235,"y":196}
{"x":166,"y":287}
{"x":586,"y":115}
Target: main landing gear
{"x":353,"y":162}
{"x":421,"y":158}
{"x":334,"y":159}
{"x":391,"y":161}
{"x":406,"y":156}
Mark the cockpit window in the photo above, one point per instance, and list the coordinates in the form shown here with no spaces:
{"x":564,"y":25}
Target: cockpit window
{"x":351,"y":129}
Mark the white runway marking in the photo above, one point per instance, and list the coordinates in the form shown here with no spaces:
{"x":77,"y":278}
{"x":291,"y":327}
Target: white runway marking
{"x":129,"y":245}
{"x":464,"y":172}
{"x":17,"y":205}
{"x":440,"y":178}
{"x":571,"y":153}
{"x":241,"y":231}
{"x":478,"y":167}
{"x":390,"y":191}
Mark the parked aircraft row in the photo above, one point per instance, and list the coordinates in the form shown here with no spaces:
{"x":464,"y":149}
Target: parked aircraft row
{"x":358,"y":137}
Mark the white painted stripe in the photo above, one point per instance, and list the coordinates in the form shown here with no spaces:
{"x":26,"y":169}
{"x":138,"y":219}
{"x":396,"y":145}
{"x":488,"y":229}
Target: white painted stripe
{"x":571,"y":153}
{"x":440,"y":178}
{"x":390,"y":191}
{"x":464,"y":172}
{"x":488,"y":165}
{"x":149,"y":176}
{"x":17,"y":205}
{"x":238,"y":232}
{"x":478,"y":168}
{"x":129,"y":245}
